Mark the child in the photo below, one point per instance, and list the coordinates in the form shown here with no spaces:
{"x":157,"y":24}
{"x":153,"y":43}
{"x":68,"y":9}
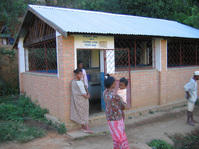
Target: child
{"x":114,"y":107}
{"x":122,"y":92}
{"x":84,"y":78}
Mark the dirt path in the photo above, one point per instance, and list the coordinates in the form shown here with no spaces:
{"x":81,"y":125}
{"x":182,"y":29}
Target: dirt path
{"x":159,"y":128}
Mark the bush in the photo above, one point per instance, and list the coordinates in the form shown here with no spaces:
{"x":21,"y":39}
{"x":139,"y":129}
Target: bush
{"x":10,"y":112}
{"x":61,"y":129}
{"x":8,"y":89}
{"x":10,"y":130}
{"x":30,"y":109}
{"x":23,"y":108}
{"x":8,"y":99}
{"x":160,"y":144}
{"x":190,"y":141}
{"x":18,"y":118}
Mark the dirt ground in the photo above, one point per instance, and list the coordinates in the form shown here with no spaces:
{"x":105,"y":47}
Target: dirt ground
{"x":160,"y":128}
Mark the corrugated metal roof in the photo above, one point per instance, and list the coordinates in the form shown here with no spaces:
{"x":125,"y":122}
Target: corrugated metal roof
{"x":83,"y":21}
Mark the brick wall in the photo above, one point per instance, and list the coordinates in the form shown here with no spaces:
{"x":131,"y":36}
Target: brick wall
{"x":144,"y":88}
{"x":42,"y":89}
{"x":66,"y":67}
{"x":176,"y":79}
{"x":53,"y":92}
{"x":149,"y":87}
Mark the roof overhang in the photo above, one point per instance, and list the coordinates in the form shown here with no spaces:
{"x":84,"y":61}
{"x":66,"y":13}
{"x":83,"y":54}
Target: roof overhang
{"x":22,"y":32}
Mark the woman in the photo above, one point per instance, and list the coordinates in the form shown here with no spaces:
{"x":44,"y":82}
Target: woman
{"x":114,"y":107}
{"x":79,"y":101}
{"x":84,"y":78}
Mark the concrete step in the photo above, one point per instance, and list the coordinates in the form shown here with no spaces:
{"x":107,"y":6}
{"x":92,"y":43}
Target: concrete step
{"x":134,"y":118}
{"x":100,"y":118}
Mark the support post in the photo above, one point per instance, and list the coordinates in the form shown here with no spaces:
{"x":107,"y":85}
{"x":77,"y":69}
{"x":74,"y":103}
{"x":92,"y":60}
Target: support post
{"x":102,"y":79}
{"x":161,"y":66}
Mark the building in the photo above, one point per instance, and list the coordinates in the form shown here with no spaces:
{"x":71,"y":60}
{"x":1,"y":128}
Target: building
{"x":157,"y":56}
{"x":6,"y":40}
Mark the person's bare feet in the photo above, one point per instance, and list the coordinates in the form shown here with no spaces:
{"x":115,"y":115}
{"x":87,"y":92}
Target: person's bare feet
{"x":194,"y":121}
{"x":87,"y":131}
{"x":190,"y":123}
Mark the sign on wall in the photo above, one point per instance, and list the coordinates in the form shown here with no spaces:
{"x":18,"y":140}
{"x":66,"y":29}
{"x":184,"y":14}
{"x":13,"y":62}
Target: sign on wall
{"x":94,"y":42}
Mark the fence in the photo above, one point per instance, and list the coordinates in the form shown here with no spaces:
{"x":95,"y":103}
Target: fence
{"x":42,"y":57}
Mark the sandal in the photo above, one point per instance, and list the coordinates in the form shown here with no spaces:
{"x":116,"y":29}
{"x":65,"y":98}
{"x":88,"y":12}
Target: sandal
{"x":87,"y":131}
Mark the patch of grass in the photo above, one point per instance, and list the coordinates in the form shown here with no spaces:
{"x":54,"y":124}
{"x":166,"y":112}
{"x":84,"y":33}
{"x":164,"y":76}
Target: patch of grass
{"x":22,"y":120}
{"x":30,"y":109}
{"x":10,"y":130}
{"x":190,"y":141}
{"x":160,"y":144}
{"x":61,"y":128}
{"x":8,"y":99}
{"x":21,"y":109}
{"x":151,"y":112}
{"x":197,"y":103}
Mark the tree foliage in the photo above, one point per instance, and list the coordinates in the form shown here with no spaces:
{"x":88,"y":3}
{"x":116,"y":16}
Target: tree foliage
{"x":11,"y":12}
{"x":184,"y":11}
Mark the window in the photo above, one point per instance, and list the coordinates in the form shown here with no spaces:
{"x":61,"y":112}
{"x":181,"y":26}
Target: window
{"x":140,"y":52}
{"x":182,"y":53}
{"x":90,"y":58}
{"x":40,"y":45}
{"x":42,"y":57}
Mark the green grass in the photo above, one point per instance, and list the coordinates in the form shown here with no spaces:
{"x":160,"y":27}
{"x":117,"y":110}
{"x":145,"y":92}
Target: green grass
{"x":151,"y":112}
{"x":15,"y":112}
{"x":160,"y":144}
{"x":10,"y":131}
{"x":190,"y":141}
{"x":20,"y":109}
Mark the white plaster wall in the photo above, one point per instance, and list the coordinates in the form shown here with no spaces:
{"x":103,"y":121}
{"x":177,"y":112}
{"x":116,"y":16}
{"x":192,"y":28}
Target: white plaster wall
{"x":21,"y":56}
{"x":57,"y":35}
{"x":158,"y":54}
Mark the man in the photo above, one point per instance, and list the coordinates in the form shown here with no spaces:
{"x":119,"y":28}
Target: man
{"x":80,"y":65}
{"x":191,"y":95}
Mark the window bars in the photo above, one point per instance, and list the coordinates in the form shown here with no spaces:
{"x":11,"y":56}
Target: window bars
{"x":141,"y":51}
{"x":182,"y":53}
{"x":42,"y":57}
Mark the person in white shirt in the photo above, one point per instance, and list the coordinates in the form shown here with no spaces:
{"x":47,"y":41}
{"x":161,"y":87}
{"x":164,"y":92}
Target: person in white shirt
{"x":191,"y":95}
{"x":85,"y":79}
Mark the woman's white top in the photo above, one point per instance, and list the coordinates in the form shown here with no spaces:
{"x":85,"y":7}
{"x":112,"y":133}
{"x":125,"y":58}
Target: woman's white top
{"x":81,"y":87}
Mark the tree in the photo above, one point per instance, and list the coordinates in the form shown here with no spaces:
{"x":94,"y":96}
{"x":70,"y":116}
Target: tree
{"x":11,"y":11}
{"x":184,"y":11}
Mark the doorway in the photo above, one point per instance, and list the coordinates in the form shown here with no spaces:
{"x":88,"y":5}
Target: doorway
{"x":91,"y":61}
{"x":115,"y":62}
